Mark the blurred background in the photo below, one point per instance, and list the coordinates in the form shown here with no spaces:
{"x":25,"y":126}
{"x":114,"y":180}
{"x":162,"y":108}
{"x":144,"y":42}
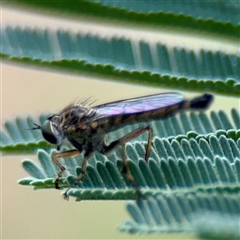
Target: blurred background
{"x":43,"y":214}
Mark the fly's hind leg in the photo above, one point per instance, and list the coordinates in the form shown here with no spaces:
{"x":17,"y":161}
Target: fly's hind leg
{"x":121,"y":142}
{"x":134,"y":134}
{"x":66,"y":154}
{"x":87,"y":155}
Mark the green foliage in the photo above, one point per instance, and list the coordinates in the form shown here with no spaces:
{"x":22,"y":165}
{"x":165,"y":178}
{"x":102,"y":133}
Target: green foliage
{"x":191,"y":182}
{"x":117,"y":57}
{"x":212,"y":216}
{"x":211,"y":17}
{"x":173,"y":164}
{"x":184,"y":181}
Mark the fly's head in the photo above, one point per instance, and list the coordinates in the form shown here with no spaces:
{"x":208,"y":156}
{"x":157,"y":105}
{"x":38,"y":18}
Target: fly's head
{"x":51,"y":130}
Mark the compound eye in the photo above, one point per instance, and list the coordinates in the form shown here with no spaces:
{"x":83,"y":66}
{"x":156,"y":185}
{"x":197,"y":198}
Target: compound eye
{"x":47,"y":132}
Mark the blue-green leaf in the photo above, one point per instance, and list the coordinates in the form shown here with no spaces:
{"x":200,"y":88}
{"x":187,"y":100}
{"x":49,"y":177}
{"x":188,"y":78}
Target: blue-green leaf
{"x":209,"y":216}
{"x":157,"y":175}
{"x":117,"y":57}
{"x":211,"y":17}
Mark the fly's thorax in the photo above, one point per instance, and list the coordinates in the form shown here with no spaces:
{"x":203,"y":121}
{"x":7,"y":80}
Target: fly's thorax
{"x":80,"y":125}
{"x":75,"y":115}
{"x":87,"y":135}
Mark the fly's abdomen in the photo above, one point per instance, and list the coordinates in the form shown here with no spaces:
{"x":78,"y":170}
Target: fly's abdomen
{"x":124,"y":119}
{"x":158,"y":106}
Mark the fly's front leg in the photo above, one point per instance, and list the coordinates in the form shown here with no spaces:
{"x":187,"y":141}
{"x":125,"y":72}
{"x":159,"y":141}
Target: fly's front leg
{"x":87,"y":155}
{"x":66,"y":154}
{"x":121,"y":142}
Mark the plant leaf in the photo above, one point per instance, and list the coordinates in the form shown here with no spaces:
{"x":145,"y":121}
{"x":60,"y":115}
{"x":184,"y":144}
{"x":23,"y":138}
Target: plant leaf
{"x":186,"y":168}
{"x":177,"y":8}
{"x":118,"y":58}
{"x":18,"y":136}
{"x":208,"y":215}
{"x":212,"y":17}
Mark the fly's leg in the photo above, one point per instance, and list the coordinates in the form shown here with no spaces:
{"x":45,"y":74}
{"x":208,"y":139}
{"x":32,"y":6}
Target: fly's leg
{"x":66,"y":154}
{"x":134,"y":134}
{"x":87,"y":155}
{"x":121,"y":142}
{"x":111,"y":147}
{"x":148,"y":148}
{"x":128,"y":175}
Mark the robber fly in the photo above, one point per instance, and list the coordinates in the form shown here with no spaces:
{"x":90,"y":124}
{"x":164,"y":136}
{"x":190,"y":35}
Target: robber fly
{"x":86,"y":127}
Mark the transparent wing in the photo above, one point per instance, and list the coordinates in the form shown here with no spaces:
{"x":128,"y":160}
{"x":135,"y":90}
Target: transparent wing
{"x":139,"y":105}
